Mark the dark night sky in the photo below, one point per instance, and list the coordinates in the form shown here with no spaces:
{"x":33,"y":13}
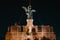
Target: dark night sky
{"x":47,"y":13}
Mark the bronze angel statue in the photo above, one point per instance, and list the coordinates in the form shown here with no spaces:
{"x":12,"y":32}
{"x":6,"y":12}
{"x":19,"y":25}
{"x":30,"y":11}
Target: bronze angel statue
{"x":29,"y":11}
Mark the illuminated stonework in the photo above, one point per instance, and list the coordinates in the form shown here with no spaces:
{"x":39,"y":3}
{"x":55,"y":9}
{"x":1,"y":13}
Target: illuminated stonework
{"x":30,"y":32}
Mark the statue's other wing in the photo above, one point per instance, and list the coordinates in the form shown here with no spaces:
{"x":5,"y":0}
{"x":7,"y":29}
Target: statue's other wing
{"x":25,"y":9}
